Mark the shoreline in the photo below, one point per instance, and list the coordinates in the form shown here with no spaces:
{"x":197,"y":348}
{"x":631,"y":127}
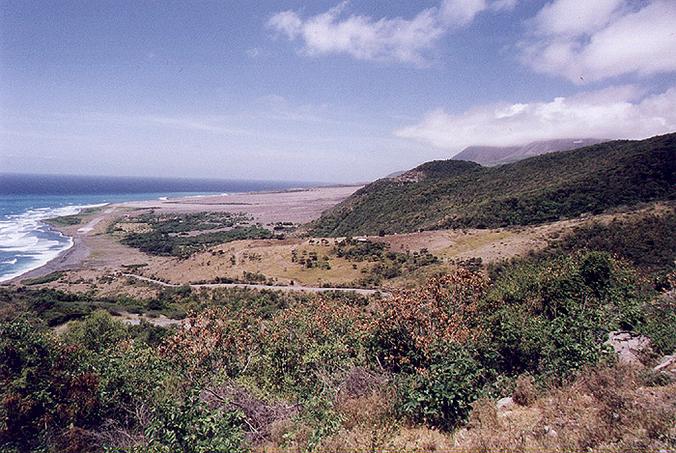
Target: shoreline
{"x":266,"y":205}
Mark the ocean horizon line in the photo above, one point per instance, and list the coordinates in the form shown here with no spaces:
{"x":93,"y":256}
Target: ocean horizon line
{"x":60,"y":184}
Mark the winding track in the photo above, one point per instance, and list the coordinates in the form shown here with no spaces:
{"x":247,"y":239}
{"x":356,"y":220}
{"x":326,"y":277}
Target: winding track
{"x":309,"y":289}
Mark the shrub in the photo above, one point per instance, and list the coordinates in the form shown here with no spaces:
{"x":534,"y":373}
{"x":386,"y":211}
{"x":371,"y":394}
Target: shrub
{"x":188,"y":425}
{"x":409,"y":324}
{"x":524,"y":393}
{"x":132,"y":377}
{"x":442,"y":395}
{"x":45,"y":387}
{"x":211,"y":340}
{"x":304,"y":346}
{"x":659,"y":323}
{"x":644,"y":239}
{"x":550,"y":317}
{"x":97,"y":332}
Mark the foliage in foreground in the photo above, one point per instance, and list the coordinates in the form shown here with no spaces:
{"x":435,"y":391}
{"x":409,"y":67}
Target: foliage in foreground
{"x":246,"y":369}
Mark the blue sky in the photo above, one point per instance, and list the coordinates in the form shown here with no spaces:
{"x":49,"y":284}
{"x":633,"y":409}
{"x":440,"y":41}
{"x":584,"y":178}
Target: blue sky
{"x":324,"y":90}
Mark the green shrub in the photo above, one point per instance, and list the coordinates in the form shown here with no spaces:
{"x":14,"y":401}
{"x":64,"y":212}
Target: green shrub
{"x":304,"y":343}
{"x":189,"y":425}
{"x":441,"y":396}
{"x":659,"y":323}
{"x":45,"y":388}
{"x":130,"y":378}
{"x":550,"y":317}
{"x":97,"y":332}
{"x":646,"y":240}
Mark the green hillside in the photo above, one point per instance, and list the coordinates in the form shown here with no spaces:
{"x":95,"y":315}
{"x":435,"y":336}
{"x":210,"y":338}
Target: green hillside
{"x":456,"y":194}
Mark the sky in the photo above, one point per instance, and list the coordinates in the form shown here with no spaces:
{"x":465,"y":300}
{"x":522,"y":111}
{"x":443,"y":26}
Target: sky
{"x":324,"y":90}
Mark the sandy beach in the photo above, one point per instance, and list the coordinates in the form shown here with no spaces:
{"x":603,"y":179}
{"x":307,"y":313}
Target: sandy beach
{"x":298,"y":205}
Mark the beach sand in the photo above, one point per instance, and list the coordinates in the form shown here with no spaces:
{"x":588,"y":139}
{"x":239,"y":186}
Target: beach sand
{"x":297,"y":206}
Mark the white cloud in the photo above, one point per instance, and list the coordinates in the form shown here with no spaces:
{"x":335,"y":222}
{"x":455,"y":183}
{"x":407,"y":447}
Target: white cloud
{"x":389,"y":39}
{"x":616,"y":112}
{"x":573,"y":17}
{"x":461,"y":12}
{"x":287,"y":22}
{"x":595,"y":40}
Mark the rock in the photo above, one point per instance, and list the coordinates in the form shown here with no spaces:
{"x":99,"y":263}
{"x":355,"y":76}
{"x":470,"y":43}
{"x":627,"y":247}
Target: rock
{"x":630,"y":348}
{"x":550,"y":432}
{"x":505,"y":404}
{"x":667,"y":365}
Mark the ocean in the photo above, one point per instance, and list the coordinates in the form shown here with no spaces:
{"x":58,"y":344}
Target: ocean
{"x":27,"y":242}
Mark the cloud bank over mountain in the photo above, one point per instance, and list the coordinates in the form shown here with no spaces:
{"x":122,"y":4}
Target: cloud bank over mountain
{"x":616,"y":112}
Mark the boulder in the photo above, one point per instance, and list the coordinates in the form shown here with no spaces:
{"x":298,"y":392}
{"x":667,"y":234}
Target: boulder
{"x":630,"y":348}
{"x":550,"y":432}
{"x":505,"y":404}
{"x":667,"y":364}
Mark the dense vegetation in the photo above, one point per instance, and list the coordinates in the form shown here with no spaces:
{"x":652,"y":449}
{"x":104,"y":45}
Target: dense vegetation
{"x":51,"y":277}
{"x":453,"y":194}
{"x":298,"y":372}
{"x":182,"y":235}
{"x":647,"y":241}
{"x":55,"y":307}
{"x":180,"y":223}
{"x":270,"y":370}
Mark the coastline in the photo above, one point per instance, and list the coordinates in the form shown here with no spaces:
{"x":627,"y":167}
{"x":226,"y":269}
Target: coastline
{"x":67,"y":259}
{"x":299,"y":205}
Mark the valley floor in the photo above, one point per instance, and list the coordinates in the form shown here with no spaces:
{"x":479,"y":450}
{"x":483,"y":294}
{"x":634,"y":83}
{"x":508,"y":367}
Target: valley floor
{"x":98,"y":260}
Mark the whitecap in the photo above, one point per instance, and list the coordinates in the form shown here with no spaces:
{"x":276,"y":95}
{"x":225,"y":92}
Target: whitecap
{"x":27,"y":242}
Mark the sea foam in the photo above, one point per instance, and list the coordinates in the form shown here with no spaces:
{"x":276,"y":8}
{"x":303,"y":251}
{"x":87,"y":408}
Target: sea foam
{"x":27,"y":242}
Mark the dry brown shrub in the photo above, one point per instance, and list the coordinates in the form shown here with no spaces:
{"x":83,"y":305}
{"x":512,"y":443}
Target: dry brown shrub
{"x":443,"y":310}
{"x":484,"y":415}
{"x":365,"y":403}
{"x":404,"y":439}
{"x":604,"y":409}
{"x":260,"y":415}
{"x":76,"y":440}
{"x":525,"y":392}
{"x":213,"y":339}
{"x":420,"y":440}
{"x":359,"y":382}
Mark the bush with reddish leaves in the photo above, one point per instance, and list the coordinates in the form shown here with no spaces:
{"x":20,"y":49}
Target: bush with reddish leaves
{"x":410,"y":324}
{"x":45,"y":385}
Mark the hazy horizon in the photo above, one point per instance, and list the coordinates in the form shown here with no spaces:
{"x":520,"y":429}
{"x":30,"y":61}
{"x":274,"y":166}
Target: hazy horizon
{"x":327,"y":91}
{"x":161,"y":177}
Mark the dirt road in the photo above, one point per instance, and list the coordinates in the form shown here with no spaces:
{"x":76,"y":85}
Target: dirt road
{"x":309,"y":289}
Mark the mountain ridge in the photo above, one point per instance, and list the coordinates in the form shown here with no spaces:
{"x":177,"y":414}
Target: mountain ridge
{"x":460,"y":194}
{"x":497,"y":155}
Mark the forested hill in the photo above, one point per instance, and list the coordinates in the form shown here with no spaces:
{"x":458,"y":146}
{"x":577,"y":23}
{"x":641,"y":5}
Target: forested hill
{"x":451,"y":194}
